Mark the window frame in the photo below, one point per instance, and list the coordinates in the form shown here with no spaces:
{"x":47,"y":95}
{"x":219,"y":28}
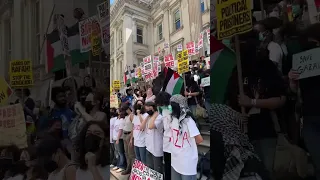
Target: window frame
{"x":139,"y":35}
{"x":176,"y":20}
{"x":202,"y":6}
{"x":160,"y":35}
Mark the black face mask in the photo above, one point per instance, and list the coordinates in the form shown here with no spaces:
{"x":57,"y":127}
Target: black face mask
{"x":92,"y":143}
{"x":88,"y":107}
{"x":83,"y":101}
{"x":50,"y":166}
{"x":139,"y":107}
{"x":5,"y":163}
{"x":150,"y":112}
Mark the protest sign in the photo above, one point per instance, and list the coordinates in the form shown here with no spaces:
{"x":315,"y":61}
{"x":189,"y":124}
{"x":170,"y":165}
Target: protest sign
{"x":208,"y":35}
{"x":5,"y":91}
{"x":183,"y":62}
{"x":95,"y":38}
{"x":148,"y":75}
{"x":116,"y":84}
{"x":103,"y":10}
{"x":21,"y":74}
{"x":155,"y":69}
{"x":155,"y":58}
{"x":307,"y":63}
{"x":200,"y":40}
{"x":166,"y":45}
{"x":191,"y":47}
{"x":179,"y":47}
{"x":231,"y":20}
{"x":142,"y":172}
{"x":13,"y":126}
{"x":85,"y":28}
{"x":205,"y":81}
{"x":147,"y":64}
{"x":169,"y":61}
{"x":114,"y":102}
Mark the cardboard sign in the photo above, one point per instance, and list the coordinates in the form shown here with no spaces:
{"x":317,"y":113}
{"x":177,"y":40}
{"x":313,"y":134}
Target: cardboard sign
{"x":142,"y":172}
{"x":155,"y":69}
{"x":5,"y":92}
{"x":21,"y":74}
{"x":205,"y":81}
{"x":85,"y":28}
{"x":13,"y":126}
{"x":114,"y":101}
{"x":191,"y":47}
{"x":116,"y":84}
{"x":307,"y":63}
{"x":103,"y":10}
{"x":230,"y":20}
{"x":183,"y":67}
{"x":147,"y":64}
{"x":169,"y":61}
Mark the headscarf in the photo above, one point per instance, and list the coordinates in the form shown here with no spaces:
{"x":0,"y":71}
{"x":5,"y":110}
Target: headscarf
{"x":183,"y":103}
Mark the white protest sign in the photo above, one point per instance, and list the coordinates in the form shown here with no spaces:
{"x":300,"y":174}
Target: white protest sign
{"x":85,"y":34}
{"x":307,"y":63}
{"x":205,"y":81}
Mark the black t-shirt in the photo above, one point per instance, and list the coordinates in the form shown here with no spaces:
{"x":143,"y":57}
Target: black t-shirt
{"x":310,"y":94}
{"x":193,"y":88}
{"x":268,"y":84}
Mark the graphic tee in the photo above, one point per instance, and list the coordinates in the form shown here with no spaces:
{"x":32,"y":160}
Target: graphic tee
{"x":138,"y":135}
{"x":184,"y":151}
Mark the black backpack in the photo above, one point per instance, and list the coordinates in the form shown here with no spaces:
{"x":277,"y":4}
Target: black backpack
{"x":203,"y":166}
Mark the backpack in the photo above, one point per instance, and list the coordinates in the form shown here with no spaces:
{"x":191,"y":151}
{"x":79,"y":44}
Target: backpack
{"x":203,"y":166}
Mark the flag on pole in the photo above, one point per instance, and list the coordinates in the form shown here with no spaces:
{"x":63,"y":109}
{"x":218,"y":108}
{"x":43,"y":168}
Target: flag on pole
{"x":173,"y":82}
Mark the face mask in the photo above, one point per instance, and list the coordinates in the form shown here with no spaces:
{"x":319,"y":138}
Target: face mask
{"x":88,"y":106}
{"x":150,"y":112}
{"x":50,"y":166}
{"x":139,"y":107}
{"x":296,"y":10}
{"x":92,"y":143}
{"x":20,"y":167}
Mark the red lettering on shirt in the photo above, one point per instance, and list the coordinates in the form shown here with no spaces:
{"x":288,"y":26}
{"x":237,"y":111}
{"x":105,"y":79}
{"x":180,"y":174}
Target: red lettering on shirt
{"x":185,"y":137}
{"x":136,"y":127}
{"x":177,"y":137}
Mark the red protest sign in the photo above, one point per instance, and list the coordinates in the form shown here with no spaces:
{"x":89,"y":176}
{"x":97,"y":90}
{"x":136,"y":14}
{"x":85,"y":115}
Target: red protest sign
{"x":191,"y":47}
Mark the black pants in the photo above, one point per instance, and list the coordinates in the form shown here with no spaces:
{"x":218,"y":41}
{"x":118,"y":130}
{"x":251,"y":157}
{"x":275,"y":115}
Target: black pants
{"x":155,"y":163}
{"x":113,"y":157}
{"x":167,"y":166}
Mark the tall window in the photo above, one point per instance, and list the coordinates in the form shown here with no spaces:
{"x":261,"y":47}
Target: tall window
{"x":8,"y":42}
{"x":36,"y":30}
{"x":139,"y":35}
{"x":202,"y":5}
{"x":177,"y":20}
{"x":160,"y":32}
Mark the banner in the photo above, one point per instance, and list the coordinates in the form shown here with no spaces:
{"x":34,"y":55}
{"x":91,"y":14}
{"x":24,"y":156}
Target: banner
{"x":116,"y":84}
{"x":169,"y":61}
{"x":85,"y":34}
{"x":231,"y":20}
{"x":95,"y":38}
{"x":103,"y":14}
{"x":307,"y":63}
{"x":183,"y":62}
{"x":147,"y":64}
{"x":208,"y":35}
{"x":5,"y":92}
{"x":191,"y":47}
{"x":142,"y":172}
{"x":13,"y":126}
{"x":21,"y":74}
{"x":200,"y":41}
{"x":166,"y":45}
{"x":114,"y":101}
{"x":155,"y":58}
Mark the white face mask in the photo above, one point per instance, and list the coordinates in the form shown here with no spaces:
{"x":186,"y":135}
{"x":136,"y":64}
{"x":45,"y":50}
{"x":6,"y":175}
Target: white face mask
{"x":274,"y":14}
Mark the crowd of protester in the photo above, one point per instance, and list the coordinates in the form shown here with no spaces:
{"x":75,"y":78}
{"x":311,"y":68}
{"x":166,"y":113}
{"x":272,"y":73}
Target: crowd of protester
{"x":67,"y":141}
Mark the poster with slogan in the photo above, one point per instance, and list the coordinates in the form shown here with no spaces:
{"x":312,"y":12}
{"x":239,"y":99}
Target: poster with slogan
{"x":21,"y":73}
{"x":307,"y":63}
{"x":13,"y":126}
{"x":5,"y":92}
{"x":85,"y":28}
{"x":169,"y":61}
{"x":116,"y":84}
{"x":183,"y":62}
{"x":114,"y":101}
{"x":95,"y":38}
{"x":147,"y":64}
{"x":233,"y":17}
{"x":142,"y":172}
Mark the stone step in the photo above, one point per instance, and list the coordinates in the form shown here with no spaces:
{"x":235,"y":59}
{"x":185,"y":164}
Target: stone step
{"x":204,"y":126}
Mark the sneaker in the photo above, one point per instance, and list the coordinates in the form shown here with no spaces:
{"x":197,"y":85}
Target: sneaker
{"x":112,"y":166}
{"x":119,"y":170}
{"x":115,"y":168}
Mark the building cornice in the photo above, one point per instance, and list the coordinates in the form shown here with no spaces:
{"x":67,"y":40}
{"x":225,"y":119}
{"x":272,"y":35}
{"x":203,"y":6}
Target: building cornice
{"x":157,"y":19}
{"x":177,"y":2}
{"x":120,"y":3}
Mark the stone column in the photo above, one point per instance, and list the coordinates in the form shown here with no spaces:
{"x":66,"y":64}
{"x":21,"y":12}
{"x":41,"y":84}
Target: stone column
{"x":134,"y":31}
{"x":127,"y":40}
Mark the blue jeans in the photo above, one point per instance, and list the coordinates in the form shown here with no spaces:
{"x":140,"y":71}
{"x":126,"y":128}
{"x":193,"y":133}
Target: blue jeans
{"x":141,"y":154}
{"x":266,"y":149}
{"x":311,"y":136}
{"x":177,"y":176}
{"x":119,"y":150}
{"x":193,"y":109}
{"x":207,"y":105}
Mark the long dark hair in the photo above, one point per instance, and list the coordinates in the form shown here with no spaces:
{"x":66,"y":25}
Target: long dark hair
{"x":103,"y":158}
{"x":136,"y":107}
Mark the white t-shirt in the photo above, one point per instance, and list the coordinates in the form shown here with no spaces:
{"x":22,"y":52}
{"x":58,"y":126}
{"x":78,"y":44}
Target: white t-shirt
{"x":276,"y":53}
{"x":112,"y":121}
{"x":154,"y":137}
{"x":167,"y":130}
{"x":138,"y":135}
{"x":184,"y":151}
{"x":128,"y":126}
{"x":150,"y":99}
{"x":118,"y":125}
{"x":87,"y":175}
{"x":57,"y":175}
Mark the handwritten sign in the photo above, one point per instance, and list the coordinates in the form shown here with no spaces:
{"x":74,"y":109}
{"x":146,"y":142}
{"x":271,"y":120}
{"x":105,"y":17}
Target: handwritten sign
{"x":21,"y":74}
{"x":5,"y":91}
{"x":191,"y":47}
{"x":13,"y":126}
{"x":103,"y":10}
{"x":307,"y":63}
{"x":231,"y":20}
{"x":205,"y":81}
{"x":116,"y":84}
{"x":169,"y":61}
{"x":147,"y":64}
{"x":142,"y":172}
{"x":85,"y":28}
{"x":114,"y":102}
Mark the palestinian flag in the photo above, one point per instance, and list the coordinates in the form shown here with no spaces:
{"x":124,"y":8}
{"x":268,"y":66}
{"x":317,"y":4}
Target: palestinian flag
{"x":55,"y":56}
{"x":133,"y":78}
{"x":173,"y":82}
{"x":222,"y":63}
{"x":126,"y":78}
